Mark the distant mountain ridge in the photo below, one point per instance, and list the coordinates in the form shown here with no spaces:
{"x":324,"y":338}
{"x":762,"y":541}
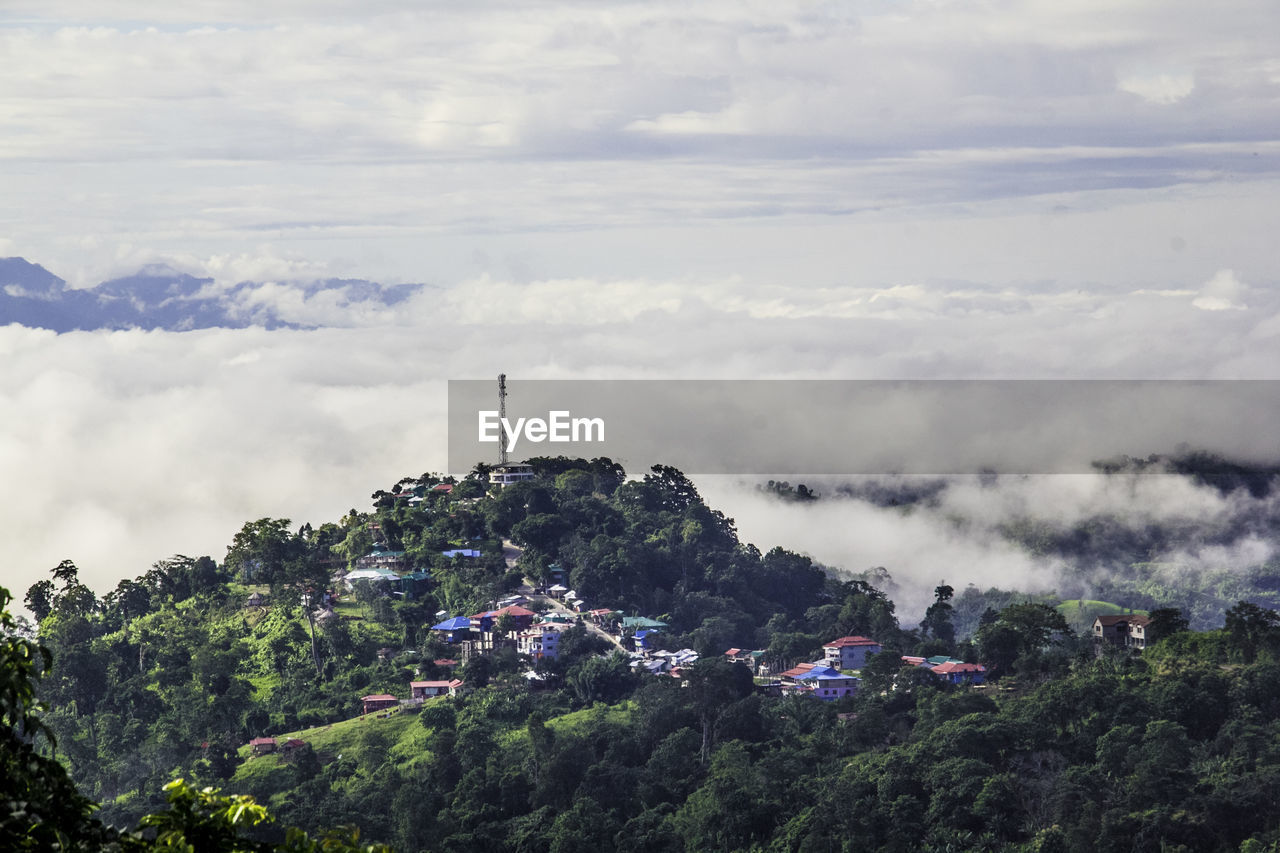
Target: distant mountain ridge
{"x":158,"y":297}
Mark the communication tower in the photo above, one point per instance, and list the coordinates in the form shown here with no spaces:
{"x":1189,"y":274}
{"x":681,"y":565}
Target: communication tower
{"x":502,"y":418}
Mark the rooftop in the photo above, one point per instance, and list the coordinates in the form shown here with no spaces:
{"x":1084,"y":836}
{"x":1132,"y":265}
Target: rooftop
{"x":845,"y":642}
{"x":1118,"y":618}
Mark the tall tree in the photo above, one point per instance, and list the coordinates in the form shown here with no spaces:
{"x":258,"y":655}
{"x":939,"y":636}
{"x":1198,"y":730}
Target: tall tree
{"x":39,"y":599}
{"x":937,"y":619}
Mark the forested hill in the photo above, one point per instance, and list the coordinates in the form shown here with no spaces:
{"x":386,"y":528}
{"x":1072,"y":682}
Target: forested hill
{"x":1066,"y":747}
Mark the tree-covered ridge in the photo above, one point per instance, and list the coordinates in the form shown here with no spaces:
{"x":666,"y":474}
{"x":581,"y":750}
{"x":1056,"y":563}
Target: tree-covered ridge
{"x":1071,"y":748}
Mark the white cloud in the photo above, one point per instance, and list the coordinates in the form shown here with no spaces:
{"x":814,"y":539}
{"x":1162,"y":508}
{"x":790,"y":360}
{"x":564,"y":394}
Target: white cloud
{"x":1223,"y":292}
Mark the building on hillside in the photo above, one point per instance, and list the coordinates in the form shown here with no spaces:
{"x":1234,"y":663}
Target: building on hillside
{"x":484,"y":636}
{"x":378,"y":702}
{"x":414,"y":584}
{"x":384,"y":559}
{"x":827,"y":684}
{"x":753,"y":659}
{"x":646,"y":640}
{"x":1122,"y":629}
{"x":455,"y":630}
{"x":372,"y":574}
{"x":431,"y":689}
{"x":602,"y":615}
{"x":790,"y":676}
{"x":849,"y":652}
{"x":262,"y":745}
{"x":949,"y":669}
{"x":255,"y":600}
{"x":541,"y":642}
{"x":485,"y":622}
{"x":510,"y":474}
{"x":635,"y":623}
{"x":291,"y":744}
{"x":468,"y":553}
{"x":959,"y":672}
{"x":657,"y":666}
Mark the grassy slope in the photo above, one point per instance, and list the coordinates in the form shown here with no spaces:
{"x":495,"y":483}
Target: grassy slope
{"x":399,"y":739}
{"x":403,"y":738}
{"x":1080,"y":612}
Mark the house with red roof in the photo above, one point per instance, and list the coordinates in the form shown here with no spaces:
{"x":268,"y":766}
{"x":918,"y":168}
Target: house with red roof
{"x":849,"y":652}
{"x":796,"y":671}
{"x":949,"y":669}
{"x":601,"y":615}
{"x":262,"y":745}
{"x":432,"y":689}
{"x":959,"y":672}
{"x":378,"y":702}
{"x":485,"y":622}
{"x":291,"y":744}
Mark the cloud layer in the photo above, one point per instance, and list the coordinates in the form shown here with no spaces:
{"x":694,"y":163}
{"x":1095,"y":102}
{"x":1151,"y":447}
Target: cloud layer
{"x":644,"y":189}
{"x":131,"y":445}
{"x":792,"y":142}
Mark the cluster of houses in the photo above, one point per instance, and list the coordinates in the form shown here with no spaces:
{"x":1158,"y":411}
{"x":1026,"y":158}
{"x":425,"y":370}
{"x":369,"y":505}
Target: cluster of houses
{"x":419,"y":691}
{"x":659,"y":662}
{"x":832,"y":678}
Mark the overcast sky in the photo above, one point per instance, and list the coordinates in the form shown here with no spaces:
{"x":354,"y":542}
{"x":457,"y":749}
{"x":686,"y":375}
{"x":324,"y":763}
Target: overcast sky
{"x":712,"y":190}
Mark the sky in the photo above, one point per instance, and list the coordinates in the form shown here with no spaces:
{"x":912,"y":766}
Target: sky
{"x":604,"y":190}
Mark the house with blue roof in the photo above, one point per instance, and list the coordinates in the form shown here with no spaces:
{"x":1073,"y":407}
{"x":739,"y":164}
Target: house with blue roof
{"x":455,"y":630}
{"x":645,"y":639}
{"x":827,"y":684}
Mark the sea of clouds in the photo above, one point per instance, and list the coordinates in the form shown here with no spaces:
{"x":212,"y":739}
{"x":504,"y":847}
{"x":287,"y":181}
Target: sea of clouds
{"x":123,"y":447}
{"x":627,"y":190}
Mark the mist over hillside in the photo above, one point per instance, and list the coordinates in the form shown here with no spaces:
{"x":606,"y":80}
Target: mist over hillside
{"x":1172,"y":531}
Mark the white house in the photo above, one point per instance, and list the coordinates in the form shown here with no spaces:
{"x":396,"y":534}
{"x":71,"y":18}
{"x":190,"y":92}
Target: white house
{"x":849,"y":652}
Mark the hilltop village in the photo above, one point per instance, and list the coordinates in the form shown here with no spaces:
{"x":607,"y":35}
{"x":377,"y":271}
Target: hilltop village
{"x":550,"y":656}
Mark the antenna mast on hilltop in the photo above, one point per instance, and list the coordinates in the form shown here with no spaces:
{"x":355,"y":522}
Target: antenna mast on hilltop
{"x":502,"y":418}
